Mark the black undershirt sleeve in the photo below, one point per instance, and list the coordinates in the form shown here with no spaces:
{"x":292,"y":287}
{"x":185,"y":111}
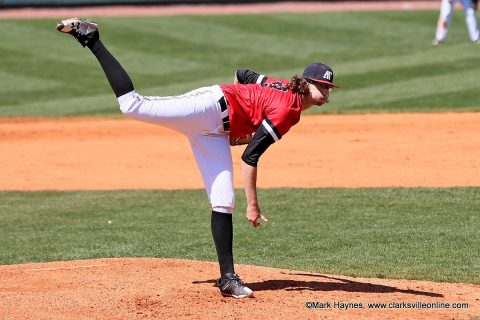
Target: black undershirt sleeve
{"x":117,"y":77}
{"x":255,"y":148}
{"x":247,"y":76}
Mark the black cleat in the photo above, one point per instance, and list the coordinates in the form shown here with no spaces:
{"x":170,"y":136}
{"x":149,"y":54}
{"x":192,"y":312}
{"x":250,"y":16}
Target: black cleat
{"x":84,"y":31}
{"x":230,"y":285}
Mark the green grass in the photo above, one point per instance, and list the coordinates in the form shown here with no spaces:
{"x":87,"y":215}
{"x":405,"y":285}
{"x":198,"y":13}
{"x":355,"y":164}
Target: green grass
{"x":383,"y":60}
{"x":393,"y":233}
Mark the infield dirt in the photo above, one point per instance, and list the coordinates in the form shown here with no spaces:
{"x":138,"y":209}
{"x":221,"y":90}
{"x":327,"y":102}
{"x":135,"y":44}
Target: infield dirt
{"x":375,"y":150}
{"x":182,"y":289}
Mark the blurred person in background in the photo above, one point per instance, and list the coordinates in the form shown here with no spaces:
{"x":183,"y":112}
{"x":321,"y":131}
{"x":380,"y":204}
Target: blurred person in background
{"x":444,"y":20}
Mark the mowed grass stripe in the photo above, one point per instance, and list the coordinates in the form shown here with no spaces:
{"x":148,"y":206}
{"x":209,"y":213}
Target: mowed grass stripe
{"x":439,"y":101}
{"x":400,"y":73}
{"x":221,"y":36}
{"x":39,"y":39}
{"x":381,"y":66}
{"x":16,"y":82}
{"x":214,"y":46}
{"x":90,"y":103}
{"x":364,"y":27}
{"x":418,"y":233}
{"x":432,"y":57}
{"x":394,"y":91}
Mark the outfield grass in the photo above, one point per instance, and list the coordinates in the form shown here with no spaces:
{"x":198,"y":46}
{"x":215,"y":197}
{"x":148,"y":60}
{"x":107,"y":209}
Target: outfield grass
{"x":394,"y":233}
{"x":384,"y":60}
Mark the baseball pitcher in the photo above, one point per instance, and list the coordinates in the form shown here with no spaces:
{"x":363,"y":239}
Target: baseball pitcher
{"x":256,"y":110}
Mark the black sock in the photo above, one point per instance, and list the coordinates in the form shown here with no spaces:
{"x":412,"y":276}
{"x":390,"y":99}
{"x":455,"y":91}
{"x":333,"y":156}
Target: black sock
{"x":222,"y":232}
{"x":116,"y":75}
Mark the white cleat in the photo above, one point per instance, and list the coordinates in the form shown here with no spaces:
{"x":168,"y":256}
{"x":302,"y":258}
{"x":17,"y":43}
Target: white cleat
{"x":84,"y":31}
{"x":232,"y":286}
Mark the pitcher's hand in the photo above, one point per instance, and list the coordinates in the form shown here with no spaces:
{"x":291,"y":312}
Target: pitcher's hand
{"x":253,"y":214}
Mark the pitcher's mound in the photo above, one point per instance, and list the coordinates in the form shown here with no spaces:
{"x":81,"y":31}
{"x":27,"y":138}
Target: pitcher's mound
{"x":179,"y":289}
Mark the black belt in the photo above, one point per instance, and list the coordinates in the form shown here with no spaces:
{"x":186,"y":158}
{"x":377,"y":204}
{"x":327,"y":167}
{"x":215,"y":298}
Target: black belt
{"x":224,"y":107}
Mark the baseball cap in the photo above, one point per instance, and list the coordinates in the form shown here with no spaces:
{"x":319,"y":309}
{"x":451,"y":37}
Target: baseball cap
{"x":319,"y":72}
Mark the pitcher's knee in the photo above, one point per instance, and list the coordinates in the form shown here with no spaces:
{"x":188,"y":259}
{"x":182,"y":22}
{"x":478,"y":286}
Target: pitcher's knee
{"x":224,"y":200}
{"x":222,"y":209}
{"x":130,"y":102}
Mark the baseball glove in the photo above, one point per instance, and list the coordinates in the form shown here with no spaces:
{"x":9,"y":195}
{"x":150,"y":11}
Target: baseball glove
{"x":242,"y":140}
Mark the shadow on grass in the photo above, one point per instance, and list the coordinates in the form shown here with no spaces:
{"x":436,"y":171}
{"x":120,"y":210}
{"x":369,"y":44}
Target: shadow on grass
{"x":341,"y":285}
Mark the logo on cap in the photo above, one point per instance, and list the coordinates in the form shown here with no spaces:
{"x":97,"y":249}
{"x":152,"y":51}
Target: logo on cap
{"x":319,"y":72}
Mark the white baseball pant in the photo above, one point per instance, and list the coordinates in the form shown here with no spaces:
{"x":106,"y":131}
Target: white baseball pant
{"x":196,"y":114}
{"x":445,"y":18}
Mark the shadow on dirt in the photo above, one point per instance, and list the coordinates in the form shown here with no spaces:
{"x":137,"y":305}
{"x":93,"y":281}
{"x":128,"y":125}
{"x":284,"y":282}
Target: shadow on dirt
{"x":340,"y":285}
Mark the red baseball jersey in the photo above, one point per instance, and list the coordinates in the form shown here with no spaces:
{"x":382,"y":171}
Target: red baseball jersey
{"x":268,"y":102}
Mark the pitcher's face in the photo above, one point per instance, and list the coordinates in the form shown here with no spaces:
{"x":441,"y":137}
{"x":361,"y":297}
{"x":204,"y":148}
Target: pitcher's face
{"x":319,"y":92}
